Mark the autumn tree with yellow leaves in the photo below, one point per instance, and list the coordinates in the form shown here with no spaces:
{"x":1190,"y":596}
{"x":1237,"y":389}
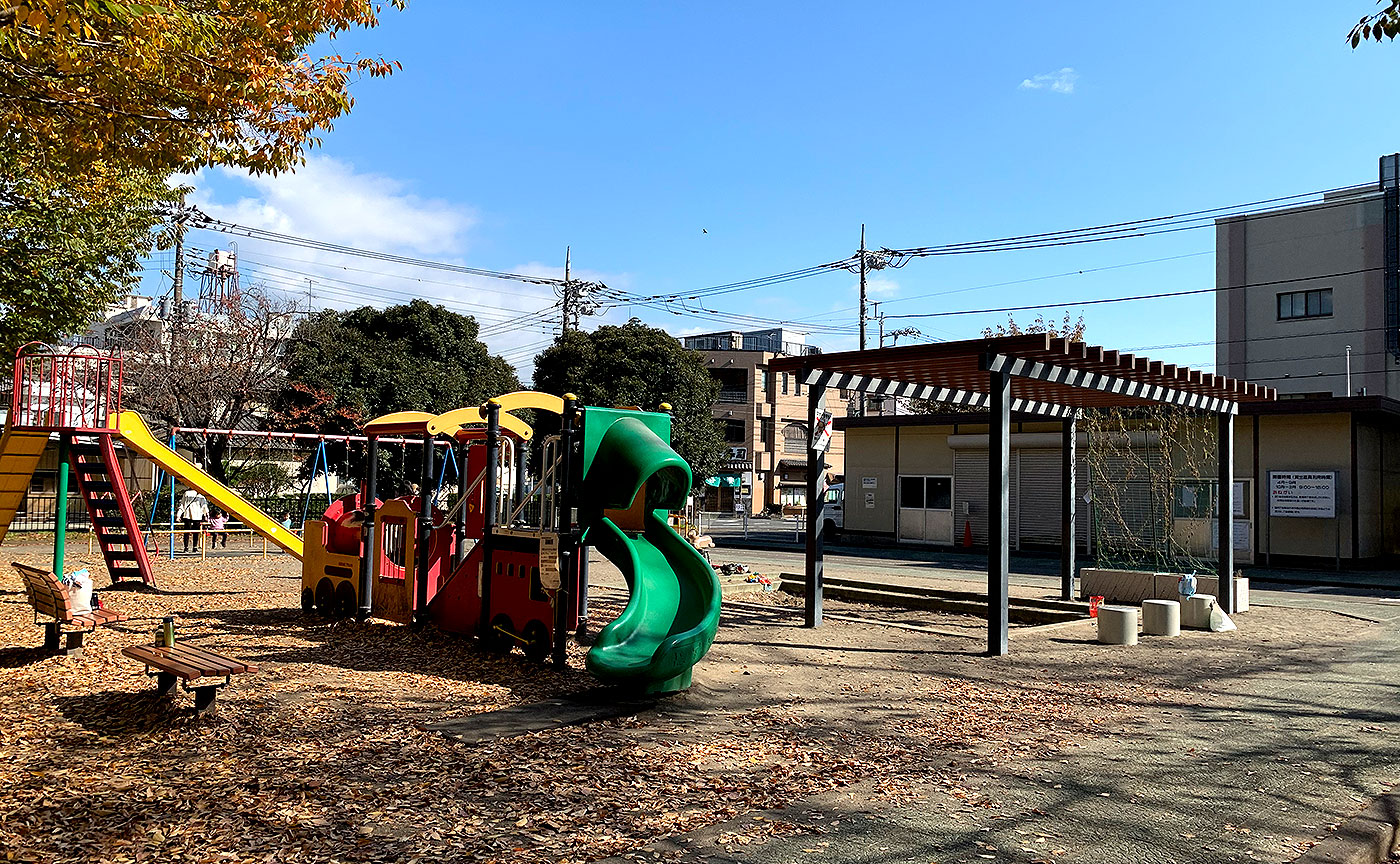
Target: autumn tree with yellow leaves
{"x":102,"y":101}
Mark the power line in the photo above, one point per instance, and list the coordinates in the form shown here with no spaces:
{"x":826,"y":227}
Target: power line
{"x":209,"y":223}
{"x":1218,"y":289}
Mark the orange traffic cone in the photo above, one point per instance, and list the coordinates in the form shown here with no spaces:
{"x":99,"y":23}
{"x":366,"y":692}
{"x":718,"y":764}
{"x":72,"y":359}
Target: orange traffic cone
{"x":967,"y":534}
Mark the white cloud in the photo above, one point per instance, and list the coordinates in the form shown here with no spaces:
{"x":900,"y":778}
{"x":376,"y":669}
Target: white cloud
{"x":1056,"y":82}
{"x":879,"y":287}
{"x":328,"y":200}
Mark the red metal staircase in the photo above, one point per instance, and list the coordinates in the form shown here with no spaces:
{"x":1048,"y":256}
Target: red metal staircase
{"x":114,"y":522}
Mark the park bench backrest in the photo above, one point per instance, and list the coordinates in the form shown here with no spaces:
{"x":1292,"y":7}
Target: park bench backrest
{"x":46,"y":594}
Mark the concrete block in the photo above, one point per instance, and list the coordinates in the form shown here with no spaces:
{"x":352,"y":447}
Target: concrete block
{"x":1161,"y":618}
{"x":1117,"y":586}
{"x":1195,"y":611}
{"x":1208,"y":585}
{"x":1165,"y":586}
{"x":1118,"y":625}
{"x":1241,"y":594}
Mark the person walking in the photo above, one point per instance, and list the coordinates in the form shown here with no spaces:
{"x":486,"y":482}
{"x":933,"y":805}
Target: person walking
{"x":194,"y":509}
{"x":217,"y":533}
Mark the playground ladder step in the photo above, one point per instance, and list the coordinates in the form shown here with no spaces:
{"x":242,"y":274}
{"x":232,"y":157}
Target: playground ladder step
{"x":109,"y":508}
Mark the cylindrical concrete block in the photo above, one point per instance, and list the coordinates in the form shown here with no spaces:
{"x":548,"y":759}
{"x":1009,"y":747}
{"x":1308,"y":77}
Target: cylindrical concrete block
{"x":1118,"y":625}
{"x":1161,"y":618}
{"x":1195,"y":612}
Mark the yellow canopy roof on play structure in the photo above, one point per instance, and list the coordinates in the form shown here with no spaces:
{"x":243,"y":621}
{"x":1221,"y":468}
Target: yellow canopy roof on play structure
{"x":452,"y":422}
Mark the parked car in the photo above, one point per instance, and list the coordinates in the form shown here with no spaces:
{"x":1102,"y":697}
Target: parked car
{"x":833,"y":516}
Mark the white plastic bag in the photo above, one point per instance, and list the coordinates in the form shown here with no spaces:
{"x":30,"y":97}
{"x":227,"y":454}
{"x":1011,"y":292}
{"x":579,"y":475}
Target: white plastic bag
{"x":80,"y":591}
{"x":1219,"y":621}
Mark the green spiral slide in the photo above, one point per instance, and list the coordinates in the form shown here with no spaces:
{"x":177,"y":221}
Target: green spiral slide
{"x":673,"y":612}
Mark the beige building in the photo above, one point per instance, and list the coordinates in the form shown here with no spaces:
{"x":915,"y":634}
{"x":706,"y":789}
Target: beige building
{"x":1304,"y":292}
{"x":763,"y":418}
{"x":922,"y":479}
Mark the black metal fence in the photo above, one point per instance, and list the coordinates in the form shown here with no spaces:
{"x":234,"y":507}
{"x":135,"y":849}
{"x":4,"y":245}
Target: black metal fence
{"x":37,"y":511}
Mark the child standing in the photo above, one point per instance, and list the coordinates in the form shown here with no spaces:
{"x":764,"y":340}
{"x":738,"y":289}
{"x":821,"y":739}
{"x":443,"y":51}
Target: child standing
{"x":217,"y":523}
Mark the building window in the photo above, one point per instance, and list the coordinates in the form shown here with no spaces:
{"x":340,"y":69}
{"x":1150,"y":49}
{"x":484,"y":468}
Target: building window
{"x":797,"y":386}
{"x":795,"y":439}
{"x":926,"y":493}
{"x":734,"y":432}
{"x":1305,"y":304}
{"x":765,"y":434}
{"x":785,"y":383}
{"x":763,"y":381}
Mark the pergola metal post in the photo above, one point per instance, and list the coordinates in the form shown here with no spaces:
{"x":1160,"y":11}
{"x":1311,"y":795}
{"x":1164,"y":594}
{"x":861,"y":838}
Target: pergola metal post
{"x":816,"y":459}
{"x":1225,"y":518}
{"x":1068,"y":493}
{"x":998,"y":506}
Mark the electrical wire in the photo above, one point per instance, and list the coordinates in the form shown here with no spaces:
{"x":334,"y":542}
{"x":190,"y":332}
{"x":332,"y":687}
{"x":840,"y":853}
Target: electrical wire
{"x":1215,"y":290}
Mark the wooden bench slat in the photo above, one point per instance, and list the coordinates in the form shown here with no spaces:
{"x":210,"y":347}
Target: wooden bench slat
{"x":147,"y":654}
{"x":237,"y":666}
{"x":187,"y":661}
{"x":207,"y":665}
{"x":98,"y":617}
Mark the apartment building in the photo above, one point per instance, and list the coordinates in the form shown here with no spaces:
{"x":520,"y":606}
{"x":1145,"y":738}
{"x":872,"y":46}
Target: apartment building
{"x":763,"y":417}
{"x":1307,"y":299}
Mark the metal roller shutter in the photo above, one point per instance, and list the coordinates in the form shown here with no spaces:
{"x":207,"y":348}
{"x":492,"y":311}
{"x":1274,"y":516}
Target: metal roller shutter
{"x":970,"y":489}
{"x":1039,"y":500}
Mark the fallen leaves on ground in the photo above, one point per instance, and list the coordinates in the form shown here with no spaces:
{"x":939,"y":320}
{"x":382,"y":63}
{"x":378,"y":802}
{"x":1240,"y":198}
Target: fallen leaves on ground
{"x":323,"y":756}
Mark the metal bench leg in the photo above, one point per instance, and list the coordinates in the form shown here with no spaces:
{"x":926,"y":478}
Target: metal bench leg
{"x":74,"y":644}
{"x":51,"y":631}
{"x":204,"y":699}
{"x":165,"y":684}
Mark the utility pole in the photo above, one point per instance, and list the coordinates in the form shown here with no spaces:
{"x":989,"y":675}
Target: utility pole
{"x":310,"y":298}
{"x":568,"y":291}
{"x":862,"y":286}
{"x":179,"y":275}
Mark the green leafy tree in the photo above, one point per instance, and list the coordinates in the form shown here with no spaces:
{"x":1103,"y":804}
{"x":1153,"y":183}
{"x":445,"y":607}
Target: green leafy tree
{"x":1383,"y":24}
{"x":70,"y":243}
{"x":640,"y":366}
{"x":345,"y":368}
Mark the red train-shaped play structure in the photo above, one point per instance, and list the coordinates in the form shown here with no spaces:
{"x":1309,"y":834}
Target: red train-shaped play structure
{"x":506,"y":562}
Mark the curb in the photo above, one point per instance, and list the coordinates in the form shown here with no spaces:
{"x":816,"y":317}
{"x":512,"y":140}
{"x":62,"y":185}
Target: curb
{"x":1366,"y":838}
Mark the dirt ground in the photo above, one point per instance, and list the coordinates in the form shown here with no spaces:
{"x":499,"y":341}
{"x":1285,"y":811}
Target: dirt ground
{"x":322,"y":756}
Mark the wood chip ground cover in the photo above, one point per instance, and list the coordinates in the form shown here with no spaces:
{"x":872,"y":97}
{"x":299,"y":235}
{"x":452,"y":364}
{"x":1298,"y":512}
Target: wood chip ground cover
{"x":321,"y":756}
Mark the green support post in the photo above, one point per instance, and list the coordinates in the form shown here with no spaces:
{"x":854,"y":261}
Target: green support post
{"x":60,"y":510}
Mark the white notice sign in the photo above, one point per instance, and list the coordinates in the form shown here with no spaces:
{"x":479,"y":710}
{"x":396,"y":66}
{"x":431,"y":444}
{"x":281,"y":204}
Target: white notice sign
{"x":1303,"y":494}
{"x":868,"y":482}
{"x":549,"y":562}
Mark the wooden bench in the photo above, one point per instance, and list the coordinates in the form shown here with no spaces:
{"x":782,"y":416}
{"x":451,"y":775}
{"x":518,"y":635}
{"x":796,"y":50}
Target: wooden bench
{"x":185,"y":662}
{"x":50,"y":598}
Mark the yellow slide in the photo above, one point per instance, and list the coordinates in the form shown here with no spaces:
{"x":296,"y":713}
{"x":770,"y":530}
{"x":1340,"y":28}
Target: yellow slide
{"x":20,"y":450}
{"x":134,"y":432}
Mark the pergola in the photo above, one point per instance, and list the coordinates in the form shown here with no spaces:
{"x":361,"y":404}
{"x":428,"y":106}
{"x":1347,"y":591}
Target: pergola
{"x":1035,"y":374}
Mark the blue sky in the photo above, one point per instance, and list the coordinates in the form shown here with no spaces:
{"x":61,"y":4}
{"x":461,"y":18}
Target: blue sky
{"x":677,"y":146}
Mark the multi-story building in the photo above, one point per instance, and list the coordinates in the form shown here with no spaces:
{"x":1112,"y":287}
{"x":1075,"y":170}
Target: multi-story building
{"x":764,"y":421}
{"x":1306,"y":296}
